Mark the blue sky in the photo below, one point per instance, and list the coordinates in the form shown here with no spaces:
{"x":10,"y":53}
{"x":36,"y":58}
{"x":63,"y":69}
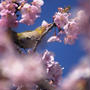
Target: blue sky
{"x":66,"y":55}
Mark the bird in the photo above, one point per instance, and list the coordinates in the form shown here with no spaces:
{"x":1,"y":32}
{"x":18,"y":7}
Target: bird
{"x":28,"y":39}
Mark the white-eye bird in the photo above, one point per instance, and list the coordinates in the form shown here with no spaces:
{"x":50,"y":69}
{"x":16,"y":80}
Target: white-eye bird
{"x":27,"y":39}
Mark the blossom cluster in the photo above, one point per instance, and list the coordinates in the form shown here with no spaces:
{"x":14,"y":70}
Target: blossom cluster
{"x":85,"y":26}
{"x":69,"y":27}
{"x":10,"y":11}
{"x":53,"y":68}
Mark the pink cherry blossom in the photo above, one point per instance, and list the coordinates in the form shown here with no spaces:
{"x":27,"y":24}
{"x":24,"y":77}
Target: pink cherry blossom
{"x":72,"y":28}
{"x":10,"y":7}
{"x":54,"y":73}
{"x":7,"y":13}
{"x":29,"y":13}
{"x":61,"y":19}
{"x":69,"y":39}
{"x":48,"y":58}
{"x":38,"y":2}
{"x":53,"y":68}
{"x":9,"y":20}
{"x":53,"y":39}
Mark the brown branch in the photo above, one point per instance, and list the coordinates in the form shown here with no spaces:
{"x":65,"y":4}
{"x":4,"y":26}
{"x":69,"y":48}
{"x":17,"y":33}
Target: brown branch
{"x":38,"y":41}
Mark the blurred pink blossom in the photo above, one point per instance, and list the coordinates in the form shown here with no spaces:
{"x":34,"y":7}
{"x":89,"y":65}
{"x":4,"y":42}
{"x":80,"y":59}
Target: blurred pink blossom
{"x":5,"y":85}
{"x":77,"y":75}
{"x":85,"y":24}
{"x":69,"y":39}
{"x":6,"y":46}
{"x":23,"y":70}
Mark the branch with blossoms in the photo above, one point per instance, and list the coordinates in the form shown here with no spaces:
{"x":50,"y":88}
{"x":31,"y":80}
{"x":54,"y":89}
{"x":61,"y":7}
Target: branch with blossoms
{"x":32,"y":70}
{"x":10,"y":12}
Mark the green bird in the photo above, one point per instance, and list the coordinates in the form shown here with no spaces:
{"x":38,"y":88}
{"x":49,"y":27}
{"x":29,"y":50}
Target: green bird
{"x":28,"y":39}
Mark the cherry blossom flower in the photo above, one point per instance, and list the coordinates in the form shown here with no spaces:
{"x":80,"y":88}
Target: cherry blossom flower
{"x":9,"y":20}
{"x":55,"y":73}
{"x":48,"y":58}
{"x":27,"y":16}
{"x":69,"y":39}
{"x":8,"y":7}
{"x":53,"y":39}
{"x":30,"y":12}
{"x":38,"y":2}
{"x":8,"y":16}
{"x":71,"y":28}
{"x":53,"y":68}
{"x":61,"y":19}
